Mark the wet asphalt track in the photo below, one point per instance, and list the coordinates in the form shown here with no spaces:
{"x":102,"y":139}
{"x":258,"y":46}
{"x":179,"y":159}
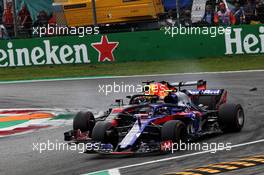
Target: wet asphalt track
{"x":17,"y":155}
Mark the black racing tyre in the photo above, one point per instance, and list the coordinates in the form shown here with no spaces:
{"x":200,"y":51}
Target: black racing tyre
{"x":174,"y":130}
{"x":104,"y":132}
{"x":84,"y":121}
{"x":231,"y":117}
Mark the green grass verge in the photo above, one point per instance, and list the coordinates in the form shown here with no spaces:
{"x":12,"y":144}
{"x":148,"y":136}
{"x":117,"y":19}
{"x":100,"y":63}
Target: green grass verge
{"x":135,"y":68}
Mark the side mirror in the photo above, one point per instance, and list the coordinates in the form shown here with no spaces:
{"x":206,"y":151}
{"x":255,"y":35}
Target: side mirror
{"x":129,"y":96}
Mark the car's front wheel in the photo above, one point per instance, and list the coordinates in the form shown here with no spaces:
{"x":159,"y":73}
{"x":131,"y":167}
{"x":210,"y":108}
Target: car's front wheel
{"x":174,"y":130}
{"x":105,"y":133}
{"x":84,"y":121}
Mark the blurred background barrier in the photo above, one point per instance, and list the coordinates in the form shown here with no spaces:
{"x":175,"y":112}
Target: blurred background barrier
{"x":18,"y":17}
{"x":34,"y":7}
{"x":130,"y":46}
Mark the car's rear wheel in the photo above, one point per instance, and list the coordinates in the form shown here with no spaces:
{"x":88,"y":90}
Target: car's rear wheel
{"x":231,"y":117}
{"x":174,"y":130}
{"x":105,"y":133}
{"x":84,"y":121}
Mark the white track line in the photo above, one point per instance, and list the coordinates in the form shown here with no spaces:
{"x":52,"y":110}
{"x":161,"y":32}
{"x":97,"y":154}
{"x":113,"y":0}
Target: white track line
{"x":132,"y":76}
{"x":114,"y":172}
{"x":176,"y":157}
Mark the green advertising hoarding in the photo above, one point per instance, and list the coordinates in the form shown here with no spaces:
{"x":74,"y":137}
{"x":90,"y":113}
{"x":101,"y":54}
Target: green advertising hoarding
{"x":132,"y":46}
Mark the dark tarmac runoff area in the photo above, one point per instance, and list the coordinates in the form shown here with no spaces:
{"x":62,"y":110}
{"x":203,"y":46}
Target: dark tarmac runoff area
{"x":18,"y":157}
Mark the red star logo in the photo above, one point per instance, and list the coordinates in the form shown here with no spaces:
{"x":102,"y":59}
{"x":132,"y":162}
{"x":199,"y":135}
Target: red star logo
{"x":105,"y":49}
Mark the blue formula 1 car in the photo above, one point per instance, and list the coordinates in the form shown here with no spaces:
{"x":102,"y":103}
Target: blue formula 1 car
{"x":148,"y":122}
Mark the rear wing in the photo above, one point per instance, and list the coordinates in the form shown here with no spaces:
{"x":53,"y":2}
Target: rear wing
{"x":200,"y":84}
{"x":213,"y":98}
{"x":207,"y":92}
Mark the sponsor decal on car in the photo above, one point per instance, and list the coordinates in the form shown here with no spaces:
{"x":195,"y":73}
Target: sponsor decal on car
{"x":205,"y":92}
